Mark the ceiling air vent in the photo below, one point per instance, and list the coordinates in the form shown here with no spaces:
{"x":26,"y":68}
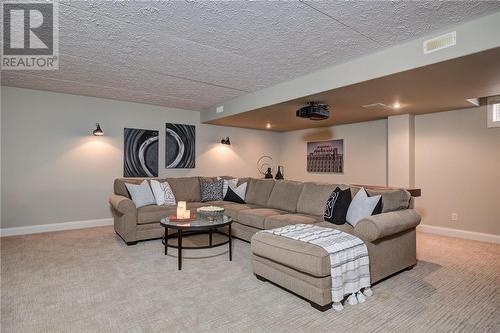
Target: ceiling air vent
{"x":376,"y":106}
{"x":440,"y":42}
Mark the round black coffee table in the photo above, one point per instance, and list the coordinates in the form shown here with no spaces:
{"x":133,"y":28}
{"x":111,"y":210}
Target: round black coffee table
{"x":201,"y":224}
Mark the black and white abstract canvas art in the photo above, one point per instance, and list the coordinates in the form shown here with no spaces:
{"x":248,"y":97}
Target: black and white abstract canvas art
{"x":180,"y":143}
{"x":140,"y":153}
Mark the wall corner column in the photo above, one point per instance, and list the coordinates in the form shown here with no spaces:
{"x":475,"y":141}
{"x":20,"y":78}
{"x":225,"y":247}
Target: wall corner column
{"x":401,"y":151}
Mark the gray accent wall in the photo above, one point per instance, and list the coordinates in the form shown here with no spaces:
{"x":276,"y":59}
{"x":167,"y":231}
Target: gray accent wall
{"x":457,"y":165}
{"x":365,"y":153}
{"x":54,"y":170}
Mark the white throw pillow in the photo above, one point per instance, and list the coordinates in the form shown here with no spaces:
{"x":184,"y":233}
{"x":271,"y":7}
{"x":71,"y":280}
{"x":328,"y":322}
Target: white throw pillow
{"x":141,"y":194}
{"x":226,"y":184}
{"x":361,"y":206}
{"x":163,"y":193}
{"x":239,"y":190}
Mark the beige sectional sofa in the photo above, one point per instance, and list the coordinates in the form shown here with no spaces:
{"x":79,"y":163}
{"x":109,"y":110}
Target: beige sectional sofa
{"x":299,"y":267}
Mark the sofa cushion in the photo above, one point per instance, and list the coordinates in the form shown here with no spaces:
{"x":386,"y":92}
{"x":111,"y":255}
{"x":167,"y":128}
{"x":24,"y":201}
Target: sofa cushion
{"x":337,"y":206}
{"x":211,"y":190}
{"x":236,"y":193}
{"x":219,"y":203}
{"x":193,"y":205}
{"x":313,"y":198}
{"x":258,"y":191}
{"x":342,"y":227}
{"x":285,"y":195}
{"x":154,"y":213}
{"x":242,"y":180}
{"x":232,"y":210}
{"x":304,"y":257}
{"x":361,"y":206}
{"x":185,"y":188}
{"x":379,"y":226}
{"x":256,"y":217}
{"x":120,"y":188}
{"x":226,"y":182}
{"x":141,"y":194}
{"x":392,"y":199}
{"x":122,"y":205}
{"x":163,"y":193}
{"x":278,"y":221}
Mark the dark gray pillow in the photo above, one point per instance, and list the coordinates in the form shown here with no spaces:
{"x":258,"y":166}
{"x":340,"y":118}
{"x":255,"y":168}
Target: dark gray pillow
{"x":211,"y":190}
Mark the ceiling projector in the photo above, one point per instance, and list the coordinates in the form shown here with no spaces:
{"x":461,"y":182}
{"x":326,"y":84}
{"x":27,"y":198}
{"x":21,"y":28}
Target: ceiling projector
{"x":314,"y":111}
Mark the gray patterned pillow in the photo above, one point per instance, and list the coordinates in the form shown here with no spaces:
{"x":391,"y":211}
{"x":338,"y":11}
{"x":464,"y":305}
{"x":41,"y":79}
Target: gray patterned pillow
{"x":211,"y":190}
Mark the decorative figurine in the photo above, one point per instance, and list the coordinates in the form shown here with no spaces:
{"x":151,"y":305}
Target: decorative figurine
{"x":280,"y":173}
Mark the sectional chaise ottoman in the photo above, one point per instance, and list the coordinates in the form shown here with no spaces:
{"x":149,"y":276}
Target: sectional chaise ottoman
{"x":302,"y":268}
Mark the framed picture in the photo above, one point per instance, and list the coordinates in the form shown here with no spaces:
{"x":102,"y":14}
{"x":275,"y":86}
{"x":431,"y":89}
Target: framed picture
{"x":140,"y":153}
{"x":325,"y":156}
{"x":180,"y":146}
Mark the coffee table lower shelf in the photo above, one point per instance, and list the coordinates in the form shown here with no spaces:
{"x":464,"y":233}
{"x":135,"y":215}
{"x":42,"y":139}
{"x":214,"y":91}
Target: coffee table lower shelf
{"x":180,"y":233}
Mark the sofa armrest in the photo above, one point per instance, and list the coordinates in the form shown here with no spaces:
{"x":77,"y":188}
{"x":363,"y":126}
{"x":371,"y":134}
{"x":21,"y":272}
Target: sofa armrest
{"x":378,"y":226}
{"x":122,"y":204}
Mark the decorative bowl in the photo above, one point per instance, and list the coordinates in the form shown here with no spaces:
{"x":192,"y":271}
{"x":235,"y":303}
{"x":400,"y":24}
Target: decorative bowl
{"x":210,"y":213}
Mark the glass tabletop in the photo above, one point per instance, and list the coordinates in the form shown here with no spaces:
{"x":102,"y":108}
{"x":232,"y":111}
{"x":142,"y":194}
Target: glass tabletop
{"x":199,"y":221}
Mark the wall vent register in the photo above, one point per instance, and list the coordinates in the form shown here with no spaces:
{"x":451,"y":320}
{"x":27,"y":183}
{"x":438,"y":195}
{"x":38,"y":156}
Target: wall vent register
{"x":440,"y":42}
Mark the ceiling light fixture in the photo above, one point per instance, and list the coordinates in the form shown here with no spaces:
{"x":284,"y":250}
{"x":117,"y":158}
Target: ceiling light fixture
{"x":268,"y":125}
{"x":98,"y":131}
{"x":225,"y":141}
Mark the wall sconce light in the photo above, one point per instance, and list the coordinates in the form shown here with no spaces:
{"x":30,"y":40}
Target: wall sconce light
{"x":98,"y":131}
{"x":225,"y":141}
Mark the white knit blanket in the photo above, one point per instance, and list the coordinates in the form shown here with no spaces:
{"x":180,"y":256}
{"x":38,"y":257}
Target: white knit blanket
{"x":350,"y":265}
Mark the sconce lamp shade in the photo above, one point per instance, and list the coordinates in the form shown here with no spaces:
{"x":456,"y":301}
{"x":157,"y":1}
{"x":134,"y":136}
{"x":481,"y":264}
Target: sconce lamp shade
{"x":225,"y":141}
{"x":98,"y":131}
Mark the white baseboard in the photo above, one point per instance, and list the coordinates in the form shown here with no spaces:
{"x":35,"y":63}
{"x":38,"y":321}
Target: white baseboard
{"x":478,"y":236}
{"x":35,"y":229}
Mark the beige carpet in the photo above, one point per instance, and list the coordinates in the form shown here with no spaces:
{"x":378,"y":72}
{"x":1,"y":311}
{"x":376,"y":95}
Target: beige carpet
{"x":89,"y":281}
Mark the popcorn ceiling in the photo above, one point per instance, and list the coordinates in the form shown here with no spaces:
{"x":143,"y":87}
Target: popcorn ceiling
{"x":195,"y":55}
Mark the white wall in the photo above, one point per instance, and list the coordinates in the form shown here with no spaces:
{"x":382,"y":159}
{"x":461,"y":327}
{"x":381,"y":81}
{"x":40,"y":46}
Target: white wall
{"x":54,"y":170}
{"x":401,"y":151}
{"x":457,"y":165}
{"x":365,"y":153}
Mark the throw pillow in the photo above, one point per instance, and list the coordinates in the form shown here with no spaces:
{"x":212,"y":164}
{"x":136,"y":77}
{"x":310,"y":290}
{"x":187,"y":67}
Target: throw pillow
{"x":227,"y":182}
{"x":141,"y":194}
{"x":211,"y":190}
{"x":337,"y":206}
{"x":378,"y":208}
{"x":163,"y":193}
{"x":361,"y":206}
{"x":392,"y":199}
{"x":236,"y":193}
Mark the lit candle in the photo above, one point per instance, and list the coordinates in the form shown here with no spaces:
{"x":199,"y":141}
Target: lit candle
{"x":187,"y":214}
{"x":182,"y":204}
{"x":180,"y":212}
